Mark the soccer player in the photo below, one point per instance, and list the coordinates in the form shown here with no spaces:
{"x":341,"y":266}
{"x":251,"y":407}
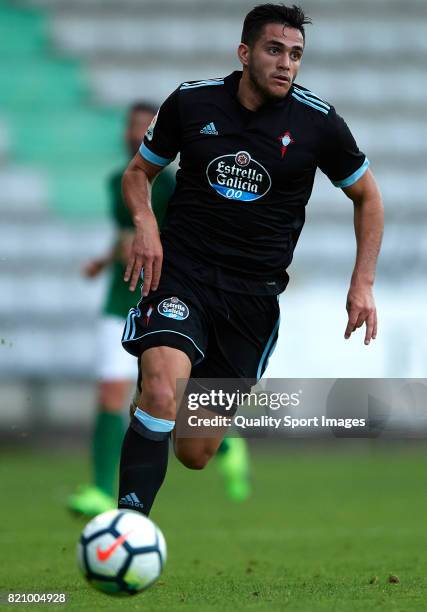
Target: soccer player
{"x":116,"y":368}
{"x":249,"y":145}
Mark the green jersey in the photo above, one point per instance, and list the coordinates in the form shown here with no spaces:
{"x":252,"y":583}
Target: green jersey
{"x":119,"y":299}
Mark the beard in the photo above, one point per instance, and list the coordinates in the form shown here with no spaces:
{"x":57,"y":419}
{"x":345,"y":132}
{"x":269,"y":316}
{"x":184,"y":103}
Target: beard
{"x":255,"y":77}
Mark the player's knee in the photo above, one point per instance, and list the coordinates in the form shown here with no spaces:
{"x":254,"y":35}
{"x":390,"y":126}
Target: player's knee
{"x":194,"y":461}
{"x":158,"y":398}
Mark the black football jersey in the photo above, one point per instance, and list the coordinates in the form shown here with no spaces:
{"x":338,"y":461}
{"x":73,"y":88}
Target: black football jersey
{"x":245,"y":178}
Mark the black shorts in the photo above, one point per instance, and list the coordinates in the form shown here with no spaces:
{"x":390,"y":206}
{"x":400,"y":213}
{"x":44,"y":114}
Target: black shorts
{"x":226,"y":335}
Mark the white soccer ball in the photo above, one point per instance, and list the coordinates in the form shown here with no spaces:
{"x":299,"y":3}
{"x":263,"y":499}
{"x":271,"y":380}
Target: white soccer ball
{"x":121,"y":552}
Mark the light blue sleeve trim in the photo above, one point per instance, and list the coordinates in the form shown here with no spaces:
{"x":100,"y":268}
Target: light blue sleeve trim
{"x":153,"y":423}
{"x":311,"y":103}
{"x":350,"y":180}
{"x":152,"y":157}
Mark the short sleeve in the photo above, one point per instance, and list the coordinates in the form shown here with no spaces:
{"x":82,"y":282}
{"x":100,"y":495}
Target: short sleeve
{"x":162,"y":140}
{"x":340,"y":158}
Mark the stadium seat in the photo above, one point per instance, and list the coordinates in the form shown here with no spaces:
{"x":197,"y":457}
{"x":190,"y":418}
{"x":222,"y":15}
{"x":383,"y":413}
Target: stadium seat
{"x":68,"y":68}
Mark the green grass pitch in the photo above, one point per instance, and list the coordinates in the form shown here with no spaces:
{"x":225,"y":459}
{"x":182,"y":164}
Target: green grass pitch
{"x":324,"y":530}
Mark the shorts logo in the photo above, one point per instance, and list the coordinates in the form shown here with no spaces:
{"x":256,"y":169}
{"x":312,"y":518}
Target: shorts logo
{"x":173,"y":308}
{"x":238,"y":177}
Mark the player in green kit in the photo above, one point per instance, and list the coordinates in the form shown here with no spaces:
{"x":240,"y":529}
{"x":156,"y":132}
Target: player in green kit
{"x":116,"y":369}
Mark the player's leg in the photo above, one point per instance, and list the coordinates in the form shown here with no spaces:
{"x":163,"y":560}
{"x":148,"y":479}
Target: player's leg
{"x":195,"y":451}
{"x":231,"y":452}
{"x":116,"y":371}
{"x":248,"y":340}
{"x":233,"y":461}
{"x":168,"y":332}
{"x":245,"y":333}
{"x":108,"y":432}
{"x":145,"y":447}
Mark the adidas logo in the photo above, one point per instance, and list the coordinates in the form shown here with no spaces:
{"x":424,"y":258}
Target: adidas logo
{"x":131,"y":499}
{"x":209,"y":129}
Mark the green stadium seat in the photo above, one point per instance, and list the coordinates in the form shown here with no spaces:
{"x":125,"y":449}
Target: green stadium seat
{"x":51,"y":122}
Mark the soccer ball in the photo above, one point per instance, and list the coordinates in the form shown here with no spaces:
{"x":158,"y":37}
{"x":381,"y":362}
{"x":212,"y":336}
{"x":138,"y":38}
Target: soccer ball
{"x":121,"y":552}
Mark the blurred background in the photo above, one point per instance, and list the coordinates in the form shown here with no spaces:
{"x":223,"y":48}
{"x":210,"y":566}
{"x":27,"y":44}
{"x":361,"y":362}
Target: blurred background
{"x":339,"y":516}
{"x":68,"y":70}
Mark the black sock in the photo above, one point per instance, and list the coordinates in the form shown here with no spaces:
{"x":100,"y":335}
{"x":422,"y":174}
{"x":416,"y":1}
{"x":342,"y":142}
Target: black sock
{"x":143,"y":465}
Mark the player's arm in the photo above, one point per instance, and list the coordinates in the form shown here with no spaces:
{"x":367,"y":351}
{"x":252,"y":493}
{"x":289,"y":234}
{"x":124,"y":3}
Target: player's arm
{"x":369,"y":226}
{"x":348,"y":169}
{"x":122,"y":246}
{"x":159,"y":148}
{"x":120,"y":251}
{"x":146,"y":250}
{"x":93,"y":267}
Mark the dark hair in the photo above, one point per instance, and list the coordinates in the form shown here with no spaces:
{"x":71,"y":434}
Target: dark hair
{"x":262,"y":14}
{"x":143,"y":107}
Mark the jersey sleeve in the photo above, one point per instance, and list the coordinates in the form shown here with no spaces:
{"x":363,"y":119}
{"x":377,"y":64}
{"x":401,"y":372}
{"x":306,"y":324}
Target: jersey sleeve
{"x":162,"y":140}
{"x":340,"y":158}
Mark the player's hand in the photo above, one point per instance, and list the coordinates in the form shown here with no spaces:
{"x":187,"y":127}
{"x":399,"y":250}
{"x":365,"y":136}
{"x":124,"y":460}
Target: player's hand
{"x":146,"y":252}
{"x":361,"y":309}
{"x":94,"y":267}
{"x":124,"y":247}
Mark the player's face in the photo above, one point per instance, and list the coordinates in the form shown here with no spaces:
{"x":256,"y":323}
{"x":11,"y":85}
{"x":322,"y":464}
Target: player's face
{"x":274,"y":60}
{"x":138,"y":122}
